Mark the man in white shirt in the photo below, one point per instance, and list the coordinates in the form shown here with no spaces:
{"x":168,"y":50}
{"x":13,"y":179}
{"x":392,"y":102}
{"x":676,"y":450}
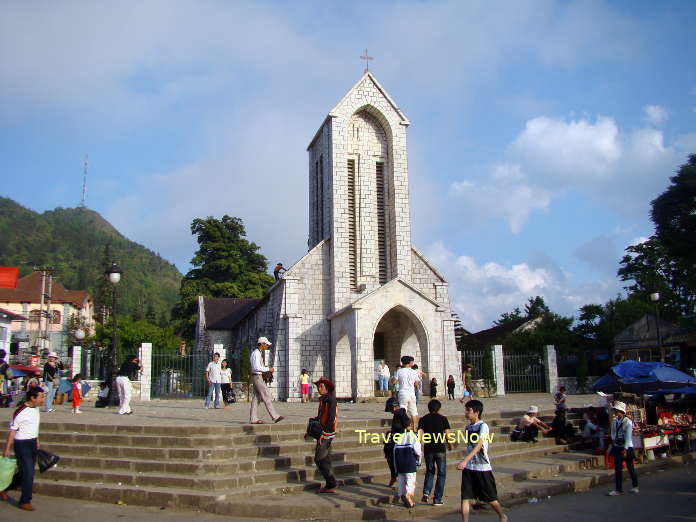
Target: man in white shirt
{"x":260,"y":392}
{"x":24,"y":432}
{"x":213,"y":375}
{"x":383,"y":377}
{"x":408,"y":378}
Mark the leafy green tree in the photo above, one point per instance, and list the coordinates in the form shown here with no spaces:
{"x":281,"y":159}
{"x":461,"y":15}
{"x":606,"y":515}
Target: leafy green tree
{"x":535,"y":307}
{"x":226,"y":264}
{"x":649,"y":267}
{"x":549,"y":328}
{"x":508,"y":317}
{"x":132,"y":333}
{"x":674,"y":214}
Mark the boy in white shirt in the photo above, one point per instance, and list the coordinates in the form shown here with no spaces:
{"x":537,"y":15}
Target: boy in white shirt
{"x":407,"y":457}
{"x":478,"y":482}
{"x":24,"y":432}
{"x":408,"y":378}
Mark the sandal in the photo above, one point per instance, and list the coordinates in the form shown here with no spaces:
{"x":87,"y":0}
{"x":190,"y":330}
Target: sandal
{"x":257,"y":422}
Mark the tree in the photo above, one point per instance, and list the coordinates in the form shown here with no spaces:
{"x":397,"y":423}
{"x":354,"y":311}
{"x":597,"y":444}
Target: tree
{"x":666,"y":263}
{"x":649,"y":267}
{"x":226,"y":264}
{"x":674,"y":214}
{"x":535,"y":307}
{"x":132,"y":333}
{"x":509,"y":317}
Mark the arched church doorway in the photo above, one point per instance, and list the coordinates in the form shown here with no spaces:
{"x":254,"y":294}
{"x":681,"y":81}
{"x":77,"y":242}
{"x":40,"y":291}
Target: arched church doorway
{"x":399,"y":332}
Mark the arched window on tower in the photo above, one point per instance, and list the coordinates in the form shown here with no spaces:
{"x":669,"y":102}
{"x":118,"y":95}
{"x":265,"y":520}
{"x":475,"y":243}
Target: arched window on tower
{"x":382,"y":223}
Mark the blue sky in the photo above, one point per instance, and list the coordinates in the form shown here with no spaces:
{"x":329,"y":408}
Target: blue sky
{"x":540,"y":130}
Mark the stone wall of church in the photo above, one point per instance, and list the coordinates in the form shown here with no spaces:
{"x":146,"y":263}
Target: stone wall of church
{"x":423,"y":277}
{"x":308,"y":302}
{"x":320,"y":188}
{"x":429,"y":338}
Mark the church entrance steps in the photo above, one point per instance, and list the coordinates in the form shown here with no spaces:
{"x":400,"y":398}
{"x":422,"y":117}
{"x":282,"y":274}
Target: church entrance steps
{"x":203,"y":467}
{"x":374,"y":501}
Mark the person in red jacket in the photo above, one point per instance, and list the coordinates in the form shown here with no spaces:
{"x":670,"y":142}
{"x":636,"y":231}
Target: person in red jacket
{"x":328,"y":408}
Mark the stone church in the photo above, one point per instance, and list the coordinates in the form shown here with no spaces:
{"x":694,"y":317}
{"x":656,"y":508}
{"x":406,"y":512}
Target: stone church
{"x":362,"y":292}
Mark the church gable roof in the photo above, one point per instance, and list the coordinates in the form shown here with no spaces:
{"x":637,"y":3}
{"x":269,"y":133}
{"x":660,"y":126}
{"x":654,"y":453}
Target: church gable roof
{"x":223,"y":313}
{"x":378,"y":290}
{"x":366,"y":82}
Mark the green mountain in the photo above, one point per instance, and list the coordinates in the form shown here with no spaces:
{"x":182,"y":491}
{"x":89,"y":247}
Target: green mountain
{"x":78,"y":242}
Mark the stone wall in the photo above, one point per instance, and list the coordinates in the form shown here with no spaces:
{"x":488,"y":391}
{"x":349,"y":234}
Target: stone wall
{"x":571,"y":384}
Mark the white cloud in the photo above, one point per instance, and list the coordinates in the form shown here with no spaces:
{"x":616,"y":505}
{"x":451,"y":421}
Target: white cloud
{"x":552,"y":156}
{"x":638,"y":240}
{"x":506,"y":194}
{"x":655,"y":114}
{"x":481,"y":291}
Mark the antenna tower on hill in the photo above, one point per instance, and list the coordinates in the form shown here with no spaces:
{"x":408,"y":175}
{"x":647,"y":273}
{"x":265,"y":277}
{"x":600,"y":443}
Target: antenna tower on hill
{"x":84,"y":183}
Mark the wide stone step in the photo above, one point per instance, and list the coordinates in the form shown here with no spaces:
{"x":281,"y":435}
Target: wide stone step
{"x":235,"y":478}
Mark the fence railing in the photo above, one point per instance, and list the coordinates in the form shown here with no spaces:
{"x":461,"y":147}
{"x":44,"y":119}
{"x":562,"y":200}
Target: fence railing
{"x":524,"y":373}
{"x":94,"y":364}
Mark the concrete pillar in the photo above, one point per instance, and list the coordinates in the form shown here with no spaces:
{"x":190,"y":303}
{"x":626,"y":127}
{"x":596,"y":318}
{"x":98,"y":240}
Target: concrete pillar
{"x":550,"y":368}
{"x":220,"y":348}
{"x":498,"y":369}
{"x":145,"y":357}
{"x":76,"y":361}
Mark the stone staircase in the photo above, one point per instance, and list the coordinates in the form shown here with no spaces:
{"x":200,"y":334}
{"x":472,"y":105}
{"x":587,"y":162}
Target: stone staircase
{"x":265,"y":470}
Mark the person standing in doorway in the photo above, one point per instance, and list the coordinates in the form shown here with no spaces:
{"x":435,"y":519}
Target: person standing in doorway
{"x":51,"y":378}
{"x":214,"y":379}
{"x":419,"y":385}
{"x":383,"y":375}
{"x":226,"y":382}
{"x":622,"y":448}
{"x":328,"y":409}
{"x":129,"y":370}
{"x":408,"y":380}
{"x":304,"y":385}
{"x":260,"y":393}
{"x":24,"y":433}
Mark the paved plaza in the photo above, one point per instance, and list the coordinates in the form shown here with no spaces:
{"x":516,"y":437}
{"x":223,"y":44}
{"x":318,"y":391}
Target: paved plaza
{"x":192,"y":412}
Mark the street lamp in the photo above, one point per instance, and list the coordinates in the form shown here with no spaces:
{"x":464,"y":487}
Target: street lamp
{"x":655,"y":298}
{"x":113,"y":275}
{"x":79,"y":334}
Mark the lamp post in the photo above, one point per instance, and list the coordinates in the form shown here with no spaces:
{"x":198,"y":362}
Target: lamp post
{"x":655,"y":298}
{"x":113,"y":275}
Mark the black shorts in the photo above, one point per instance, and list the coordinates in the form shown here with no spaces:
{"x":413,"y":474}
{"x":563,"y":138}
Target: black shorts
{"x":478,"y":485}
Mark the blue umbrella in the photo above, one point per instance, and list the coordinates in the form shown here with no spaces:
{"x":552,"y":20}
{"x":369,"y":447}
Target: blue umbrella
{"x":643,"y":377}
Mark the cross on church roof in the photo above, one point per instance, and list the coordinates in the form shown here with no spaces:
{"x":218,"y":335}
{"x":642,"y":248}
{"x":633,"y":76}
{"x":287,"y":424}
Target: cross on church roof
{"x":367,"y":59}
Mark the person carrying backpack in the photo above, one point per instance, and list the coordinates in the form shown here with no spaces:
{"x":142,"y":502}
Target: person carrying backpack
{"x":407,"y":457}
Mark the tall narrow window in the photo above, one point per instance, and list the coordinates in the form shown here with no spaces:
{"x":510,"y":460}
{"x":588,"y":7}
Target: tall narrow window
{"x":352,"y":228}
{"x":321,"y":197}
{"x":315,"y":214}
{"x":381,"y":224}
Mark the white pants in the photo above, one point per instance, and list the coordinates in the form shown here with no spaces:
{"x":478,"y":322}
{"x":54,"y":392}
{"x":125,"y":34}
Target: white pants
{"x":123,"y":385}
{"x":406,"y":484}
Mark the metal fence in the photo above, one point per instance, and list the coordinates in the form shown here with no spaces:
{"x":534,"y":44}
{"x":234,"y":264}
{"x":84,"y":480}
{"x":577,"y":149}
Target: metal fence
{"x":94,"y":364}
{"x":524,"y":373}
{"x":476,"y":360}
{"x":178,"y":377}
